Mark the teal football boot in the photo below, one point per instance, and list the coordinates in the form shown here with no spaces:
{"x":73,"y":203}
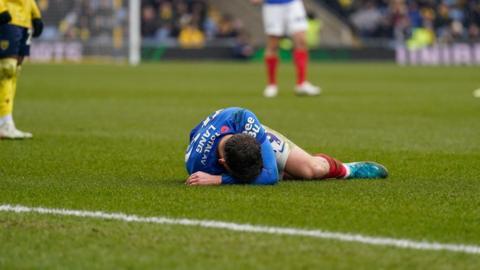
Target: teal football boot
{"x":366,"y":170}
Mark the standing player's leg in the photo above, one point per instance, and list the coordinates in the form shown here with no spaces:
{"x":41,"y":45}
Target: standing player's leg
{"x":8,"y":68}
{"x":9,"y":72}
{"x":15,"y":47}
{"x":271,"y":63}
{"x":298,"y":25}
{"x":15,"y":78}
{"x":274,"y":26}
{"x":17,"y":75}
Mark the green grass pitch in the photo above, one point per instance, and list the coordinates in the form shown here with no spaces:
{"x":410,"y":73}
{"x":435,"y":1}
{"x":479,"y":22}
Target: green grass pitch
{"x":112,"y":138}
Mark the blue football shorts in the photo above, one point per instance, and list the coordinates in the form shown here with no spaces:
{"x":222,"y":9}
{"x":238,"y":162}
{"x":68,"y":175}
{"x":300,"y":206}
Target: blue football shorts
{"x":14,"y":41}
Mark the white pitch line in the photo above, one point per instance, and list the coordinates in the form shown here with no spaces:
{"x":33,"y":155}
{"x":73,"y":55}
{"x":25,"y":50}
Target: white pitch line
{"x":344,"y":237}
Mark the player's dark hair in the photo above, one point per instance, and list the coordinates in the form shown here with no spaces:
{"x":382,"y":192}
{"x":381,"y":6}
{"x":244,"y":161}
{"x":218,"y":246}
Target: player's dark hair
{"x":243,"y":156}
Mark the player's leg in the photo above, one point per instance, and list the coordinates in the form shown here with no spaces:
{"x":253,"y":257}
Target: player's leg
{"x":297,"y":24}
{"x":24,"y":50}
{"x":271,"y":64}
{"x":273,"y":21}
{"x":11,"y":58}
{"x":300,"y":56}
{"x":8,"y":68}
{"x":295,"y":163}
{"x":16,"y":77}
{"x":8,"y":73}
{"x":302,"y":165}
{"x":8,"y":64}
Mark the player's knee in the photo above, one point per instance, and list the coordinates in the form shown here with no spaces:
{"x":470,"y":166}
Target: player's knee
{"x":319,"y":171}
{"x":301,"y":45}
{"x":300,"y":42}
{"x":8,"y":68}
{"x":271,"y":50}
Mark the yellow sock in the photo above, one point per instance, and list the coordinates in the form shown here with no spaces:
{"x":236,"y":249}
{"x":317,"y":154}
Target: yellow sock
{"x":14,"y":83}
{"x":8,"y":68}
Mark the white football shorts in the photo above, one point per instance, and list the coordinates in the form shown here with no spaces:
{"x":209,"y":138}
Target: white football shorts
{"x":284,"y":19}
{"x":282,"y":147}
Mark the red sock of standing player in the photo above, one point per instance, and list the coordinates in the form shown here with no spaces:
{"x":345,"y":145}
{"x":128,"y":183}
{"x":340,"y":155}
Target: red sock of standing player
{"x":271,"y":63}
{"x":300,"y":58}
{"x":337,"y":169}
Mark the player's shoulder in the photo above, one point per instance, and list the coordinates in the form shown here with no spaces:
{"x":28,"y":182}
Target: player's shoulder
{"x":239,"y":114}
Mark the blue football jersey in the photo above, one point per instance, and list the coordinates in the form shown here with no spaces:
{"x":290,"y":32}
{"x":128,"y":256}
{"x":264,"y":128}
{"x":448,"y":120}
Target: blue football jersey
{"x":202,"y":155}
{"x":277,"y":1}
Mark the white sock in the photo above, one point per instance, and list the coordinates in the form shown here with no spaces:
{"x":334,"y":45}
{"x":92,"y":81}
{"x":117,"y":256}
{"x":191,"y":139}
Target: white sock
{"x":347,"y":169}
{"x":5,"y":119}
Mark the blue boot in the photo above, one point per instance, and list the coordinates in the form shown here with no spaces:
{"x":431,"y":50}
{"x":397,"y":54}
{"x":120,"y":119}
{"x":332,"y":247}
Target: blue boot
{"x":366,"y":170}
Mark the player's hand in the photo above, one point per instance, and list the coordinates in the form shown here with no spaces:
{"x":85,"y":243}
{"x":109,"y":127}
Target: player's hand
{"x":5,"y":17}
{"x":256,"y":2}
{"x":203,"y":179}
{"x":37,"y":25}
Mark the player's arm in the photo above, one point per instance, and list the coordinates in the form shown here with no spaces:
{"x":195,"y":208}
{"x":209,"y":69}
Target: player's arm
{"x":3,"y":6}
{"x":269,"y":174}
{"x":37,"y":23}
{"x":203,"y":179}
{"x":5,"y":16}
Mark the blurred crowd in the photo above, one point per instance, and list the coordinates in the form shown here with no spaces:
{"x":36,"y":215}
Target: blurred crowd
{"x":84,"y":19}
{"x":190,"y":22}
{"x":416,"y":22}
{"x":194,"y":23}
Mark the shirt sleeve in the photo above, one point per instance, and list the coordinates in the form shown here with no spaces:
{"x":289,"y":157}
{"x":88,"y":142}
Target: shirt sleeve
{"x":269,"y":174}
{"x":35,"y":10}
{"x":3,"y":7}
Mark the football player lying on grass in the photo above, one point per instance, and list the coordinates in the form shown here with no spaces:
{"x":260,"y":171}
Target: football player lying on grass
{"x":232,"y":147}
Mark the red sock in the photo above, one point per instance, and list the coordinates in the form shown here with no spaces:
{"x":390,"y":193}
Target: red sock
{"x":272,"y":63}
{"x":301,"y":60}
{"x":337,"y":169}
